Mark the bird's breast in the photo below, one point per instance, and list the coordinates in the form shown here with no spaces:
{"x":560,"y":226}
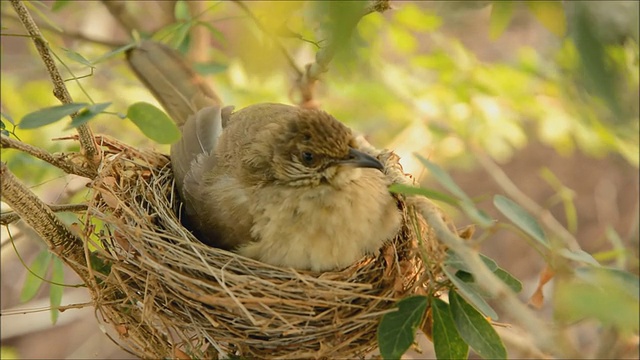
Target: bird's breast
{"x":321,"y":227}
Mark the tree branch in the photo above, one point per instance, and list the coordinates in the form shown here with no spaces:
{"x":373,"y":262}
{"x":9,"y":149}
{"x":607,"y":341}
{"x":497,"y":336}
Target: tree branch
{"x":526,"y":202}
{"x":63,"y":162}
{"x":87,"y":143}
{"x":8,"y":217}
{"x":44,"y":221}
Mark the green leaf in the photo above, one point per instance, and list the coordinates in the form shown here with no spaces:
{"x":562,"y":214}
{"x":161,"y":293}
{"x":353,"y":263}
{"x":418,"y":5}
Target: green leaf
{"x":59,"y":4}
{"x":550,"y":14}
{"x":471,"y":293}
{"x":476,"y":215}
{"x":429,"y":193}
{"x":454,"y":260}
{"x":447,"y":342}
{"x":397,"y":330}
{"x":608,"y":295}
{"x":49,"y":115}
{"x":578,"y":255}
{"x":89,"y":113}
{"x":8,"y":117}
{"x":55,"y":291}
{"x":475,"y":329}
{"x":209,"y":68}
{"x":35,"y":277}
{"x":113,"y":53}
{"x":77,"y":57}
{"x":181,"y":11}
{"x":521,"y":218}
{"x":154,"y":123}
{"x":501,"y":12}
{"x":443,"y":178}
{"x":509,"y":279}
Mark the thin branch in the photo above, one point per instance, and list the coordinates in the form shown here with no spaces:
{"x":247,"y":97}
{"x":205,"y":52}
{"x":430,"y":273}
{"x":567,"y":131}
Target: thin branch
{"x":8,"y":217}
{"x":273,"y":37}
{"x":63,"y":162}
{"x":67,"y":33}
{"x":87,"y":143}
{"x":488,"y":281}
{"x":44,"y":221}
{"x":526,"y":202}
{"x":312,"y":73}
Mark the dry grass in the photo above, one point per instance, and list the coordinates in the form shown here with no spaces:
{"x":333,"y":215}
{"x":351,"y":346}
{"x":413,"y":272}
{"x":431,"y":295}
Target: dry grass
{"x":168,"y":295}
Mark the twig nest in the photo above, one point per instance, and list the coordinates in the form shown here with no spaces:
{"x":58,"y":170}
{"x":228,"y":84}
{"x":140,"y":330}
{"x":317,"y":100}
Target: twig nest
{"x":168,"y":295}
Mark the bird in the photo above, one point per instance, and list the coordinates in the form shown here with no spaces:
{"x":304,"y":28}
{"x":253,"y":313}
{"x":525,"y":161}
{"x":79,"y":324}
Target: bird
{"x":281,"y":184}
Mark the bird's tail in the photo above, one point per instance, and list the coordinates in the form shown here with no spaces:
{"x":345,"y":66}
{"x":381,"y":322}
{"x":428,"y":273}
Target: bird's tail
{"x":172,"y":81}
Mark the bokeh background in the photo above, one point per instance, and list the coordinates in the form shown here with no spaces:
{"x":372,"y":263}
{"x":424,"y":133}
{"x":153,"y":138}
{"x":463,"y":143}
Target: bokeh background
{"x":548,"y":91}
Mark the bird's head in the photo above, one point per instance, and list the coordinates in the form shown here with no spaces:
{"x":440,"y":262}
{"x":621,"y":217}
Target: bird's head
{"x":315,"y":148}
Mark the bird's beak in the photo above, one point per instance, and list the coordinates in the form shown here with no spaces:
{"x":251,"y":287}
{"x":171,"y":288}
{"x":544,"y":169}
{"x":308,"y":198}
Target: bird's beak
{"x":359,"y":159}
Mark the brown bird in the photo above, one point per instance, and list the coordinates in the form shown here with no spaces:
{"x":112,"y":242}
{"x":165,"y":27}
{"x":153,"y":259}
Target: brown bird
{"x":277,"y":183}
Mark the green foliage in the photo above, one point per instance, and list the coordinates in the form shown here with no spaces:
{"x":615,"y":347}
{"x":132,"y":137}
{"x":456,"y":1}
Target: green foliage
{"x":49,"y":115}
{"x":447,"y":342}
{"x":475,"y":329}
{"x":35,"y":276}
{"x":153,"y":123}
{"x":56,"y":288}
{"x":521,"y":218}
{"x":397,"y":329}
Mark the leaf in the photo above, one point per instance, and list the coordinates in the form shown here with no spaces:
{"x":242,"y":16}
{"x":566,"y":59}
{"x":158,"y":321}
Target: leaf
{"x":181,"y":11}
{"x":475,"y":329}
{"x":154,"y":123}
{"x":578,"y":255}
{"x":8,"y":117}
{"x":55,"y":290}
{"x":59,"y":4}
{"x":88,"y":114}
{"x":471,"y":293}
{"x":513,"y":283}
{"x":501,"y":12}
{"x":608,"y":295}
{"x":49,"y":115}
{"x":77,"y":57}
{"x":429,"y":193}
{"x":209,"y":68}
{"x":35,"y":276}
{"x":447,"y":342}
{"x":113,"y":53}
{"x":520,"y":218}
{"x":454,"y":260}
{"x":397,"y":330}
{"x":550,"y":14}
{"x":443,"y":178}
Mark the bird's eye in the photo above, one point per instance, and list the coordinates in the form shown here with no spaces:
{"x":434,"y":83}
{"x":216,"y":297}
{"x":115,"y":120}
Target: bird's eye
{"x":307,"y":158}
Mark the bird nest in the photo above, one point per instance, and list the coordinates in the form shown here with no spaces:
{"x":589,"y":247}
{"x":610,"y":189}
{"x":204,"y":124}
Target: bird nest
{"x":169,"y":296}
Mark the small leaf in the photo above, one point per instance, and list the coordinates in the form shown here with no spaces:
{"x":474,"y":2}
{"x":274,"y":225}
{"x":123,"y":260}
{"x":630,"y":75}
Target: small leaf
{"x":475,"y":329}
{"x":513,"y":283}
{"x":210,"y":68}
{"x":113,"y":53}
{"x":454,"y":260}
{"x":8,"y":117}
{"x":443,"y":178}
{"x":429,"y":193}
{"x":501,"y":12}
{"x":35,"y":277}
{"x":49,"y":115}
{"x":59,"y":4}
{"x":447,"y":342}
{"x":521,"y":218}
{"x":550,"y":14}
{"x":471,"y":293}
{"x":77,"y":57}
{"x":88,"y":114}
{"x":578,"y":255}
{"x":154,"y":123}
{"x":181,"y":11}
{"x":55,"y":291}
{"x":397,"y":330}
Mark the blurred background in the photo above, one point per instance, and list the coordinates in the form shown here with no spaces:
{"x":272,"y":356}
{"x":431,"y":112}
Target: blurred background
{"x":548,"y":90}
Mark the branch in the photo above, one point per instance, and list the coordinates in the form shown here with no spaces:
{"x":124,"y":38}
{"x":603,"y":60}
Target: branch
{"x":44,"y":221}
{"x":8,"y":217}
{"x":87,"y":144}
{"x":63,"y":162}
{"x":526,"y":202}
{"x":324,"y":56}
{"x":68,"y":33}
